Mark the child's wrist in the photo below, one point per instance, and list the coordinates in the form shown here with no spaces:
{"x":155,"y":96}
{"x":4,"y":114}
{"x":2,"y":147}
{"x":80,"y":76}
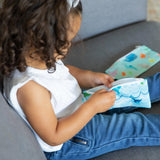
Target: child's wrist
{"x":91,"y":107}
{"x":92,"y":79}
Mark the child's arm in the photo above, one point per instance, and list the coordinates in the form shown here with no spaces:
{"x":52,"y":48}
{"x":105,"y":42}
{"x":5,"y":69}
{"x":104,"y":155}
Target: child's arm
{"x":35,"y":102}
{"x":88,"y":79}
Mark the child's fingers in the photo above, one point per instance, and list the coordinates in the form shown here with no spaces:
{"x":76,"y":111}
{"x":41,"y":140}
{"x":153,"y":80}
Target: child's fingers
{"x":111,"y":79}
{"x":101,"y":91}
{"x":108,"y":81}
{"x":108,"y":84}
{"x":113,"y":93}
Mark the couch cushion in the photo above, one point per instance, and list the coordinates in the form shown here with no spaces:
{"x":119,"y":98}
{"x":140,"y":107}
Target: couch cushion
{"x":100,"y":52}
{"x":17,"y":141}
{"x":133,"y":153}
{"x":108,"y":14}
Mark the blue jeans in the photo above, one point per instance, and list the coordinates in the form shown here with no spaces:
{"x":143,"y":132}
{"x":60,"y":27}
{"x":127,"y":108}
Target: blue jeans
{"x":113,"y":131}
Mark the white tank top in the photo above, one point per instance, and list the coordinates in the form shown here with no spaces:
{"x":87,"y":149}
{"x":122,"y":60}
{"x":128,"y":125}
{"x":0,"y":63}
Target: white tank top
{"x":65,"y":92}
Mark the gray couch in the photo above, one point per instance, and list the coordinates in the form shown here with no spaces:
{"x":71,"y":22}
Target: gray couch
{"x":110,"y":29}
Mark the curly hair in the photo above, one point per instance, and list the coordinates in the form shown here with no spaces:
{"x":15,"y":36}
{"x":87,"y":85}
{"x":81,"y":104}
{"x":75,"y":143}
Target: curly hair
{"x":38,"y":24}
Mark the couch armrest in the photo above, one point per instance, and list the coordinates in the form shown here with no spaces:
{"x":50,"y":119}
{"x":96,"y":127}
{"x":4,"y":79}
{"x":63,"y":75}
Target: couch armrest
{"x":17,"y":141}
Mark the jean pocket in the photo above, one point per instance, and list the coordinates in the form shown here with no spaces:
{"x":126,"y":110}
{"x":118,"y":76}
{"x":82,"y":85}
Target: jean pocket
{"x":80,"y":141}
{"x":77,"y":145}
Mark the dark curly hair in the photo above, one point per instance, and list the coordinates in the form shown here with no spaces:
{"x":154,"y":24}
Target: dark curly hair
{"x":38,"y":24}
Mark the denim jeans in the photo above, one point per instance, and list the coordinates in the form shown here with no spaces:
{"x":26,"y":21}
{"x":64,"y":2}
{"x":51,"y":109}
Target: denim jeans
{"x":114,"y":130}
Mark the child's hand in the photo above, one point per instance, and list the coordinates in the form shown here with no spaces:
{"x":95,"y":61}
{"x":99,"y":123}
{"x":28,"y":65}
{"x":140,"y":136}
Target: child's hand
{"x":102,"y":100}
{"x":102,"y":79}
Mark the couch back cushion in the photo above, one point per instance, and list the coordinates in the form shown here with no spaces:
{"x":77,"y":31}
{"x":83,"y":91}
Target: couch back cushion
{"x":103,"y":15}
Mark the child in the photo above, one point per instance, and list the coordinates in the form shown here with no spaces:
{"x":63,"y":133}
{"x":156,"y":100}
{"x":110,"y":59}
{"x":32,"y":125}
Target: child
{"x":34,"y":36}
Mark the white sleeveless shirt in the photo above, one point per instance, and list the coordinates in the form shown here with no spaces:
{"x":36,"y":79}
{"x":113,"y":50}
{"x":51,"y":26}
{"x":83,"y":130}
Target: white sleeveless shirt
{"x":65,"y":92}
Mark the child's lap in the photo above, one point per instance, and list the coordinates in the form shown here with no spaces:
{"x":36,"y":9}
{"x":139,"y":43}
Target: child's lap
{"x":103,"y":131}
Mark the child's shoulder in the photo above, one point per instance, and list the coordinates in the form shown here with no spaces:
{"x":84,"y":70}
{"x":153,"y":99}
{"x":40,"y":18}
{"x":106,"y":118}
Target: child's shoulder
{"x":22,"y":81}
{"x":32,"y":92}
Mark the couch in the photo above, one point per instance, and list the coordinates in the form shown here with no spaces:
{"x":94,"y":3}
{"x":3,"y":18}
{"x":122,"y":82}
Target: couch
{"x":110,"y":29}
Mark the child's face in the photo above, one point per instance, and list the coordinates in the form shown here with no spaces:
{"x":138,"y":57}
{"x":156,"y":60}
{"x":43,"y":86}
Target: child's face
{"x":74,"y":26}
{"x":75,"y":23}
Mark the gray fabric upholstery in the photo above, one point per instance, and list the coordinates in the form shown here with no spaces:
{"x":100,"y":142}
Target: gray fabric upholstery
{"x":100,"y":52}
{"x":133,"y":153}
{"x":104,"y":15}
{"x":17,"y":141}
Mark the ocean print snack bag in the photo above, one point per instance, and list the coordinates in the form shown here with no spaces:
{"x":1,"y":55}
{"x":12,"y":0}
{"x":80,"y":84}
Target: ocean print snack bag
{"x":134,"y":63}
{"x":130,"y":92}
